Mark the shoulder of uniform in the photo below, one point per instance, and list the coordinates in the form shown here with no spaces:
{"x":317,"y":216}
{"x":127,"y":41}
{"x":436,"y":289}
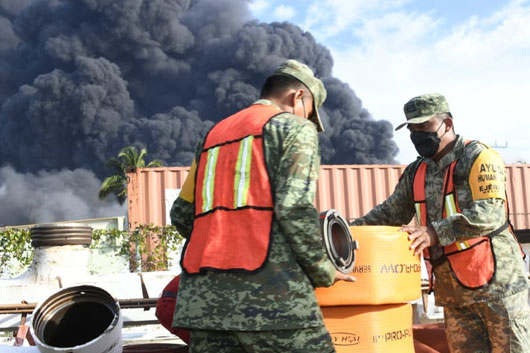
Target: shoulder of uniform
{"x":476,"y":149}
{"x":411,"y":169}
{"x":415,"y":164}
{"x":475,"y":146}
{"x":489,"y":154}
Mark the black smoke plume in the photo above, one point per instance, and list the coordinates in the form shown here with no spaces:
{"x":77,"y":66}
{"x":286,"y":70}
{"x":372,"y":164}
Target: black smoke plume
{"x":80,"y":79}
{"x":51,"y":196}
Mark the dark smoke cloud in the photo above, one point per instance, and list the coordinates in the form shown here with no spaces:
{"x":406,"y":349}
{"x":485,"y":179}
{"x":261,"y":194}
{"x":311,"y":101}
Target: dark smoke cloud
{"x":51,"y":196}
{"x":81,"y":79}
{"x":361,"y":140}
{"x":67,"y":119}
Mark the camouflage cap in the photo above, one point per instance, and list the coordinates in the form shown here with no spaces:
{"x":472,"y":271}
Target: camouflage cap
{"x":422,"y":108}
{"x":305,"y":75}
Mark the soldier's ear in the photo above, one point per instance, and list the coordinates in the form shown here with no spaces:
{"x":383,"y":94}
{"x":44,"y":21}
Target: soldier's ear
{"x":448,"y":123}
{"x":299,"y":93}
{"x":294,"y":96}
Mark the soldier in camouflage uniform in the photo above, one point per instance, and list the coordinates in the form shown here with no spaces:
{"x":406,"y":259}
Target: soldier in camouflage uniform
{"x":496,"y":316}
{"x":273,"y":309}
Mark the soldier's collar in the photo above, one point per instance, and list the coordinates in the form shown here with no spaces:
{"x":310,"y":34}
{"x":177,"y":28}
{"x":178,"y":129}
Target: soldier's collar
{"x":454,"y":154}
{"x":265,"y":102}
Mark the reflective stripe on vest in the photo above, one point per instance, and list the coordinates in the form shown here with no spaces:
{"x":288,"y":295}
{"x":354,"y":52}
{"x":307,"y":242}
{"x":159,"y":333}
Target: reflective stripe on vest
{"x":209,"y":179}
{"x":450,"y":205}
{"x":420,"y":205}
{"x":242,"y":172}
{"x":233,"y":198}
{"x":419,"y":194}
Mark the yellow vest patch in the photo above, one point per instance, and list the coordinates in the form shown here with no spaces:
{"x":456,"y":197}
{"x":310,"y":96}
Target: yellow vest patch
{"x":187,"y":192}
{"x":487,"y":177}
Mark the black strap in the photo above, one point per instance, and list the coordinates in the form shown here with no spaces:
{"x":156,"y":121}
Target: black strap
{"x":438,"y":261}
{"x":500,"y":229}
{"x":169,"y":294}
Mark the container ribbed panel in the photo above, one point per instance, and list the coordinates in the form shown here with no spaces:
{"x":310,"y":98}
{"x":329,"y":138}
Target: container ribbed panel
{"x":353,"y":190}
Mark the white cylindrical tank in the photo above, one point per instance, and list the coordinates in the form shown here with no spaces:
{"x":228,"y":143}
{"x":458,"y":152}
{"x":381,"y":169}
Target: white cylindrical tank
{"x":80,"y":319}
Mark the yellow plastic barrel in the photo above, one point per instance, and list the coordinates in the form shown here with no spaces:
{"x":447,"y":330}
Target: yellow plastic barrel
{"x":386,"y":269}
{"x":370,"y":328}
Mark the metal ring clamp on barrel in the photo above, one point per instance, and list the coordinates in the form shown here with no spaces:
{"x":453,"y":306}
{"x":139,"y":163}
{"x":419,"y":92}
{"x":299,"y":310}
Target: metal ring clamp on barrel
{"x":338,"y":240}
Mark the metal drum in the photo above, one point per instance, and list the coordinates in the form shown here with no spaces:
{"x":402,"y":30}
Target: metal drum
{"x":81,"y":319}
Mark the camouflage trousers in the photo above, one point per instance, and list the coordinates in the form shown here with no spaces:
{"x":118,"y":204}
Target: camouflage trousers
{"x":497,"y":326}
{"x":307,"y":340}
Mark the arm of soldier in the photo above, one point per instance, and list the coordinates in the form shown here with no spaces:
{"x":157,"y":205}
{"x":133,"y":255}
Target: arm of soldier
{"x":295,"y":187}
{"x":181,"y":213}
{"x":486,"y":211}
{"x":397,"y":209}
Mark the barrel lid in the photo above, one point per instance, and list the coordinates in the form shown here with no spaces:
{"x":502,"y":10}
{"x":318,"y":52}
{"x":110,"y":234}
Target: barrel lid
{"x":340,"y":245}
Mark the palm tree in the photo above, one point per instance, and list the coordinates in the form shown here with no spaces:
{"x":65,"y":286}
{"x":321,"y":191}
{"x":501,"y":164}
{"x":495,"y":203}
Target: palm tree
{"x":117,"y":183}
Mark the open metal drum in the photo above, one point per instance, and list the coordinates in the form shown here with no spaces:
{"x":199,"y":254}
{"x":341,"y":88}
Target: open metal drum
{"x":81,"y":319}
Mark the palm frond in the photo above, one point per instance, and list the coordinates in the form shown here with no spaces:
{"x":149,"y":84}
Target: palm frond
{"x":115,"y":164}
{"x":140,"y":162}
{"x":117,"y":183}
{"x":112,"y":185}
{"x":155,"y":163}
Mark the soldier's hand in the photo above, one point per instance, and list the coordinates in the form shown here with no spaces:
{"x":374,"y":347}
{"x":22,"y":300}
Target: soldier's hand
{"x":421,"y":237}
{"x":339,"y":276}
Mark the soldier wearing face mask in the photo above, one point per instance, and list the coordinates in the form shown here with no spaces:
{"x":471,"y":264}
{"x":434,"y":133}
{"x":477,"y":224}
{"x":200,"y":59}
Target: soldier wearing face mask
{"x":456,"y":192}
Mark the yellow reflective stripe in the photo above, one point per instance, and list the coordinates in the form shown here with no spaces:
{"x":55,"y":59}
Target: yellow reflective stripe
{"x":462,"y":245}
{"x":418,"y":212}
{"x":450,"y":206}
{"x":209,"y":179}
{"x":242,"y":172}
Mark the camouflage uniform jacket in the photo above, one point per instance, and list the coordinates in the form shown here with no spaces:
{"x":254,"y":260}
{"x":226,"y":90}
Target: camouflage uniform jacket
{"x":280,"y":295}
{"x":477,"y":217}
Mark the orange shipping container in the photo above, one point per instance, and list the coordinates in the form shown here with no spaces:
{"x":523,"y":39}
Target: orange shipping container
{"x":353,"y":190}
{"x":386,"y":269}
{"x":370,"y":329}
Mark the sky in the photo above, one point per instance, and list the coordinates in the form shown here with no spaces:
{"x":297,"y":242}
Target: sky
{"x":475,"y":53}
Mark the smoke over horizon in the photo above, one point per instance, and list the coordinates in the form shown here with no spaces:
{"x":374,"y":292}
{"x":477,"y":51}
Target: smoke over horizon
{"x":52,"y":196}
{"x":81,"y":79}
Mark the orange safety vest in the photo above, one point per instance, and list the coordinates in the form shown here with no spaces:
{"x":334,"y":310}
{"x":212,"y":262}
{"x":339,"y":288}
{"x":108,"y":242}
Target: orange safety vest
{"x":471,"y":260}
{"x":233,"y":199}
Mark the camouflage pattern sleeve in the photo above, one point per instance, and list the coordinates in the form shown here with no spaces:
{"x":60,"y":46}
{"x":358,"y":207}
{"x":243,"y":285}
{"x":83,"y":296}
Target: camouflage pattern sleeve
{"x":181,"y":215}
{"x":294,"y":189}
{"x":183,"y":209}
{"x":481,"y":198}
{"x":398,"y":208}
{"x":482,"y":218}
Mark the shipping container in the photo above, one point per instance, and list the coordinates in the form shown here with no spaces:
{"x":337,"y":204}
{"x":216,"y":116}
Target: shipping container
{"x":353,"y":190}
